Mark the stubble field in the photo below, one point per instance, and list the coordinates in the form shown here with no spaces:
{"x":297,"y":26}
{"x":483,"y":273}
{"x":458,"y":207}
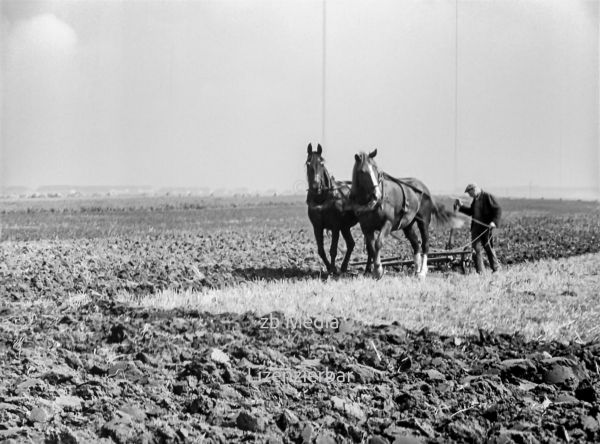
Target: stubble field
{"x":152,"y":320}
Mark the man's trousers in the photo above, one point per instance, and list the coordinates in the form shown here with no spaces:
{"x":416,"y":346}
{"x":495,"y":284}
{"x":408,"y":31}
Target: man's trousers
{"x":482,"y":238}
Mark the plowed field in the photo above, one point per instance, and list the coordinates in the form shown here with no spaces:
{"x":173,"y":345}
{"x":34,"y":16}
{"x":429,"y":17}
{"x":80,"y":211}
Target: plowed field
{"x":78,"y":366}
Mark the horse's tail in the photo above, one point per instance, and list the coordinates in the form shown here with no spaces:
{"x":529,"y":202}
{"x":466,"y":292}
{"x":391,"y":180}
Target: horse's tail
{"x":444,"y":216}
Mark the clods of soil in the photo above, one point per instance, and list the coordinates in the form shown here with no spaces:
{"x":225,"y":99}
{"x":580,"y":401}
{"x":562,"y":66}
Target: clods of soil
{"x":105,"y":372}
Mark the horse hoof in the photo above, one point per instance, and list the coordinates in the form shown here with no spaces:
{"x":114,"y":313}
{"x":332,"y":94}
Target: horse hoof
{"x":378,"y":273}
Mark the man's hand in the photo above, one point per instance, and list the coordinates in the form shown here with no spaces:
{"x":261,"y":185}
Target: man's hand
{"x":492,"y":225}
{"x":457,"y":204}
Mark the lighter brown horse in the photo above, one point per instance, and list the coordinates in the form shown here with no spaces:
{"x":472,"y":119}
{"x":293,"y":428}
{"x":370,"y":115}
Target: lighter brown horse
{"x":383,"y":203}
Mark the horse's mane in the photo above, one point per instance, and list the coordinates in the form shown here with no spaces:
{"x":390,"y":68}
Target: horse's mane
{"x":328,"y":177}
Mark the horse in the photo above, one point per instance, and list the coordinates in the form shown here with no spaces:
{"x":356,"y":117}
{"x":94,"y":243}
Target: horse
{"x":384,"y":203}
{"x":328,"y":208}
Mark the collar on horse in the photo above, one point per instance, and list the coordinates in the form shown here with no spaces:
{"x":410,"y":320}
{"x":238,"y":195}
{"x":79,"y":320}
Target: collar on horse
{"x":379,"y":195}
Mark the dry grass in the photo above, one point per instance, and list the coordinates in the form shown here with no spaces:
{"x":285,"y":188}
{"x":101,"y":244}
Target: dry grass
{"x":550,"y":299}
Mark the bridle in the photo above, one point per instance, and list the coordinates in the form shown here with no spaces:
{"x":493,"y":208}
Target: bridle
{"x":319,"y":188}
{"x":377,"y":182}
{"x":323,"y":192}
{"x":376,"y":187}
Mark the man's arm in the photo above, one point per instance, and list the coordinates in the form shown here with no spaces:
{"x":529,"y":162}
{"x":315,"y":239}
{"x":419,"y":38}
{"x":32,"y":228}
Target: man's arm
{"x":466,"y":210}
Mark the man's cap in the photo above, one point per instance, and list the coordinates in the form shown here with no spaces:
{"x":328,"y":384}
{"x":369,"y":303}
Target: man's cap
{"x":471,"y":187}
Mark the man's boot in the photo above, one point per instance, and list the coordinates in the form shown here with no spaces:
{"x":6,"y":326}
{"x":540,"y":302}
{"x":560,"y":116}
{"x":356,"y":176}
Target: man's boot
{"x":478,"y":260}
{"x":494,"y":263}
{"x":491,"y":254}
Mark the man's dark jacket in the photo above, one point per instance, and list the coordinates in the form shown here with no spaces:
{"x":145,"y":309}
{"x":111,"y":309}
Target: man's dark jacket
{"x":484,"y":208}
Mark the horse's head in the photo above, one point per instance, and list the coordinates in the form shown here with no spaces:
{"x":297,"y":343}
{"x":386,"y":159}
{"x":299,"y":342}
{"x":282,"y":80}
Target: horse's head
{"x":365,"y":178}
{"x":316,"y":173}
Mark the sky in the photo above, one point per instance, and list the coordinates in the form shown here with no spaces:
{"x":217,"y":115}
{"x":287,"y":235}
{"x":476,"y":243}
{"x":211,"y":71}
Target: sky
{"x":227,"y":94}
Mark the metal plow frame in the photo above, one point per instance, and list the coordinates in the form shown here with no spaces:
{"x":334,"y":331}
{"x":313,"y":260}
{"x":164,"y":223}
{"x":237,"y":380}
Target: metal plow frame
{"x":439,"y":259}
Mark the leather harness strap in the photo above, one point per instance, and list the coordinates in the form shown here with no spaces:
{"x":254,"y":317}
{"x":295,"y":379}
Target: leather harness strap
{"x":402,"y":182}
{"x":406,"y":216}
{"x":331,"y":195}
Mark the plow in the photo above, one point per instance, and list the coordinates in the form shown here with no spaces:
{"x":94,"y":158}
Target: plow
{"x":447,"y":259}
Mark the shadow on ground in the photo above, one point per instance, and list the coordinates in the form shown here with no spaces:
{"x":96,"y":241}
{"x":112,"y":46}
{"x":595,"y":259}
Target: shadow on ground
{"x":278,"y":273}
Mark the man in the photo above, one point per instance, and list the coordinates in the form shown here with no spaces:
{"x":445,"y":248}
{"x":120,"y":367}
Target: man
{"x":485,"y":216}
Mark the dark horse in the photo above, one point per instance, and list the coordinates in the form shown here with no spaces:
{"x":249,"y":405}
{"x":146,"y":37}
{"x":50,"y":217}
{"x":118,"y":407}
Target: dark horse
{"x":328,"y":208}
{"x":385,"y":204}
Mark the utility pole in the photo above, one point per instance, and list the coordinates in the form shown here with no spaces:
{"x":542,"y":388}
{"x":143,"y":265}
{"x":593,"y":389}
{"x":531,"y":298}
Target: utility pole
{"x":456,"y":99}
{"x":324,"y":79}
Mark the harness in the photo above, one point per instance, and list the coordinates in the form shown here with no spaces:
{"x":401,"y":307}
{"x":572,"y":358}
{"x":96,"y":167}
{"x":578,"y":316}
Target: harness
{"x":373,"y":204}
{"x":402,"y":182}
{"x":329,"y":196}
{"x":382,"y":198}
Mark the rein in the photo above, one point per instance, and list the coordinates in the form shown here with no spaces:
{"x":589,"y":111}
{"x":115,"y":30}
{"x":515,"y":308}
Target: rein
{"x":473,"y":240}
{"x":480,"y":223}
{"x":400,"y":181}
{"x":339,"y":187}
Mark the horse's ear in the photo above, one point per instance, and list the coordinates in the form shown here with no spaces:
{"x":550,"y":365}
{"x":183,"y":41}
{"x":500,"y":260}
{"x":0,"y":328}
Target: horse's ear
{"x":309,"y":149}
{"x":319,"y":149}
{"x":373,"y":153}
{"x":357,"y":157}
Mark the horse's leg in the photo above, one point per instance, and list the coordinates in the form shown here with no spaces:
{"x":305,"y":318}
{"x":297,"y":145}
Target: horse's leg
{"x":369,"y":243}
{"x":378,"y":245}
{"x":349,"y":247}
{"x":423,"y":225}
{"x":412,"y":237}
{"x":335,"y":238}
{"x":320,"y":248}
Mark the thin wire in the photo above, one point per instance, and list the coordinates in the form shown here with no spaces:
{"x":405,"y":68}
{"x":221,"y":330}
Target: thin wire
{"x":456,"y":98}
{"x":323,"y":82}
